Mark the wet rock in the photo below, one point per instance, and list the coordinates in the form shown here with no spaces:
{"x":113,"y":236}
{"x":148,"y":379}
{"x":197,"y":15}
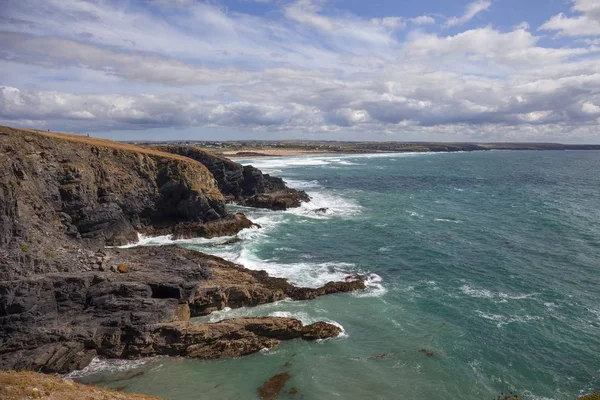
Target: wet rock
{"x":231,"y":241}
{"x":279,"y":200}
{"x":321,"y":211}
{"x":271,"y":388}
{"x":320,"y":330}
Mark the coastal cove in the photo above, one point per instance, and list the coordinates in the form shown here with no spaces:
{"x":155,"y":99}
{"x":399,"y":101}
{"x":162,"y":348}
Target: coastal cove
{"x":482,"y":279}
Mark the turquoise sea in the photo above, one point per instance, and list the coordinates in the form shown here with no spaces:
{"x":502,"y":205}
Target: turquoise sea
{"x":490,"y":260}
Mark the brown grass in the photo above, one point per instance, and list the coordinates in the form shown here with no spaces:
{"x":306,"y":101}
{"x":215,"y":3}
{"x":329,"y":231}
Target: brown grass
{"x":92,"y":141}
{"x":31,"y":385}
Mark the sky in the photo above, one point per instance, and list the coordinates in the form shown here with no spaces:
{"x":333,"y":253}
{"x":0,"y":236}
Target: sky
{"x":380,"y":70}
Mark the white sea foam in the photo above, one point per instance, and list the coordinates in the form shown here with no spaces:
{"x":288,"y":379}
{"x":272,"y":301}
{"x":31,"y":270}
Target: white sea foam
{"x":374,"y":287}
{"x":277,"y":164}
{"x":307,"y":274}
{"x":502,"y":320}
{"x":334,"y":206}
{"x":100,"y":364}
{"x":298,"y":184}
{"x":487,"y":294}
{"x":455,"y":221}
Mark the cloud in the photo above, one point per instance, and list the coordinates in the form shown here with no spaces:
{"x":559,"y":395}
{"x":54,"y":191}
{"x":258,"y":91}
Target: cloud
{"x":374,"y":30}
{"x":423,"y":20}
{"x":587,"y":23}
{"x":138,"y":66}
{"x":307,"y":69}
{"x":472,"y":10}
{"x":511,"y":48}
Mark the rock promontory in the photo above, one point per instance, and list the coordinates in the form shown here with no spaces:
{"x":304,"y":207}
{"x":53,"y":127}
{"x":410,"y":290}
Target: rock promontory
{"x":68,"y":295}
{"x":243,"y":184}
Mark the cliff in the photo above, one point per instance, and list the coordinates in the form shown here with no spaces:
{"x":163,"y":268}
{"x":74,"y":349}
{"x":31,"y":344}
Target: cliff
{"x":244,"y":185}
{"x":57,"y":193}
{"x":66,"y":298}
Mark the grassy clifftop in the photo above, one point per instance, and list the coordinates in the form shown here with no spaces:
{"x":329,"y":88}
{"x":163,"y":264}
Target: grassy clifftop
{"x":30,"y":385}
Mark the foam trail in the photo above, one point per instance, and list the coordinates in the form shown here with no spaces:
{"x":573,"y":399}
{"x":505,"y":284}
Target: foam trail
{"x":103,"y":365}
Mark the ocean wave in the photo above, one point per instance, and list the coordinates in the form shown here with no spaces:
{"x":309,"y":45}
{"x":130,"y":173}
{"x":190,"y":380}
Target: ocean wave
{"x":277,"y":164}
{"x":298,"y":184}
{"x":332,"y":204}
{"x":374,"y":287}
{"x":165,"y":240}
{"x":306,"y":274}
{"x":103,"y":365}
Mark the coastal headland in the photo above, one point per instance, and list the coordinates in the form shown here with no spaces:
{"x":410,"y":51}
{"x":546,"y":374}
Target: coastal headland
{"x":69,"y":293}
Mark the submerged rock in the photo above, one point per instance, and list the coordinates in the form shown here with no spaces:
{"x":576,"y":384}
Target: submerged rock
{"x":271,"y":388}
{"x":427,"y":353}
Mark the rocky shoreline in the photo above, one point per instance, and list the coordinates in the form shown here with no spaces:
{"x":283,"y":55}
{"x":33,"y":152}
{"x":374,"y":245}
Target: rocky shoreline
{"x":66,"y":298}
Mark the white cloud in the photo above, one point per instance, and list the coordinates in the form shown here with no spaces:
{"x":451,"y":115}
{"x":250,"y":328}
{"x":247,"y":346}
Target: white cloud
{"x":512,"y":48}
{"x":471,"y":11}
{"x":587,"y":23}
{"x":590,"y":108}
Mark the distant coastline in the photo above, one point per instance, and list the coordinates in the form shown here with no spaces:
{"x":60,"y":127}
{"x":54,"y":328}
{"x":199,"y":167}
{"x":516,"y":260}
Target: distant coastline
{"x":237,"y":150}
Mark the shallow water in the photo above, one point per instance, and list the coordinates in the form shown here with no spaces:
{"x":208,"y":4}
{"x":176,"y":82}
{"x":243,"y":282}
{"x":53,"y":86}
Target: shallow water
{"x":489,"y":260}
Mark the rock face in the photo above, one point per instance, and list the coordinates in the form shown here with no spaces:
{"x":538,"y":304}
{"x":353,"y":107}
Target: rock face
{"x":56,"y":194}
{"x":245,"y":185}
{"x":65,"y":298}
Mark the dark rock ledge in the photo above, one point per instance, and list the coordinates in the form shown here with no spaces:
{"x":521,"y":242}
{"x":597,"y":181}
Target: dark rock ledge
{"x":59,"y":322}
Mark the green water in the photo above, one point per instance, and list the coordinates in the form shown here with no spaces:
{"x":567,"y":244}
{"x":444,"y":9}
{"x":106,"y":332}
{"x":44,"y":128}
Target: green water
{"x":490,"y":260}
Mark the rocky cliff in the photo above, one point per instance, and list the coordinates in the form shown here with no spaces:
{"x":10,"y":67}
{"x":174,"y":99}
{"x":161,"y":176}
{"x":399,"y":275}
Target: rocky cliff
{"x":244,"y":185}
{"x":66,"y":298}
{"x":59,"y":192}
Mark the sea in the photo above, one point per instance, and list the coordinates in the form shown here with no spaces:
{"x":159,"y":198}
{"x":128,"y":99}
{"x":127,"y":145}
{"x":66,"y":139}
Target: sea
{"x":483,"y":279}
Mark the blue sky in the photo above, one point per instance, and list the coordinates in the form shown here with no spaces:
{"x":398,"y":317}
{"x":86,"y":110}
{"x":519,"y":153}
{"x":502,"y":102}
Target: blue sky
{"x":483,"y":70}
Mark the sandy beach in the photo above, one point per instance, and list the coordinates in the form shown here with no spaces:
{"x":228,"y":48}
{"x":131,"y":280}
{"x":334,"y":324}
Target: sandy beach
{"x":245,"y":153}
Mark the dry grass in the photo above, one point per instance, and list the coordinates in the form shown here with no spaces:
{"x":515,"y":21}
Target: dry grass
{"x":99,"y":143}
{"x":31,"y":385}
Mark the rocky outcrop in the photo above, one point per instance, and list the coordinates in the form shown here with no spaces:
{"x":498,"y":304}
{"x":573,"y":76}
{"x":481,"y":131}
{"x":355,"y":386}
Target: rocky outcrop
{"x":59,"y":322}
{"x":280,"y":200}
{"x":57,"y":194}
{"x":65,"y":298}
{"x":244,"y":185}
